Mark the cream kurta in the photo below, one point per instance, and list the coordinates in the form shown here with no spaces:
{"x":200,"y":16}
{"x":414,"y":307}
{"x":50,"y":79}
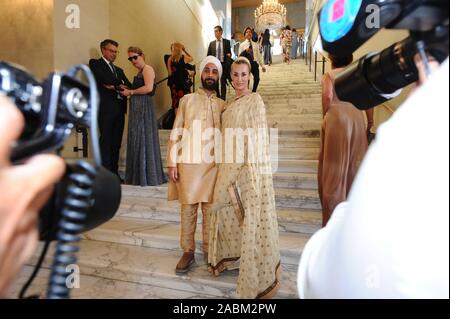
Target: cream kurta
{"x":196,"y":176}
{"x":244,"y":226}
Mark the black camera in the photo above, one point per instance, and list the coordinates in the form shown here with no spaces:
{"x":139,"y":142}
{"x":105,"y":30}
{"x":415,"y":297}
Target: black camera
{"x":345,"y":25}
{"x":88,"y":195}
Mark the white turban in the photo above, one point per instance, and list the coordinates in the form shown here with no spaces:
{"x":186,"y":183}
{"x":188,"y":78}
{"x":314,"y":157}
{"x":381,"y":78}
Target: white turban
{"x":211,"y":59}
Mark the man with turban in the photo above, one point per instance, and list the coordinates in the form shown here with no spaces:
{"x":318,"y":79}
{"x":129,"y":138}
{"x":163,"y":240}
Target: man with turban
{"x":191,"y":158}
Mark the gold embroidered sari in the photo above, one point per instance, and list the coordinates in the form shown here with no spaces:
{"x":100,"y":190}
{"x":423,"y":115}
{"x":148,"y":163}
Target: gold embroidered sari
{"x":244,"y":226}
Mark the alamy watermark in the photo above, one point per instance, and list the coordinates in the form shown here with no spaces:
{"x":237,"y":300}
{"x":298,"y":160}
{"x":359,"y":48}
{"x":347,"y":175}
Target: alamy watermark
{"x":73,"y":279}
{"x":374,"y":18}
{"x":232,"y":146}
{"x":73,"y":19}
{"x":373,"y":277}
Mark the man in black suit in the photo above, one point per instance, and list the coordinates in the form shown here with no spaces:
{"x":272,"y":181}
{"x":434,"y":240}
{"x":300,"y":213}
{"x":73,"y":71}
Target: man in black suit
{"x":221,"y":49}
{"x":111,"y":80}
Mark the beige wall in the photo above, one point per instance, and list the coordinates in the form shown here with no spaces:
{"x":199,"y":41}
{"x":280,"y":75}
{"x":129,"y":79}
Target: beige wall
{"x":26,"y":34}
{"x":78,"y":45}
{"x":35,"y":34}
{"x":154,"y":26}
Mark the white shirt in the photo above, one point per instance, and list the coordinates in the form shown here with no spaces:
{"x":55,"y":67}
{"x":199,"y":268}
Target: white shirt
{"x":391,"y":239}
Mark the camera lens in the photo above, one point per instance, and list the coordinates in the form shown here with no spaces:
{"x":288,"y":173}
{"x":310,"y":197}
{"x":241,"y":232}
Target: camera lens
{"x":76,"y":102}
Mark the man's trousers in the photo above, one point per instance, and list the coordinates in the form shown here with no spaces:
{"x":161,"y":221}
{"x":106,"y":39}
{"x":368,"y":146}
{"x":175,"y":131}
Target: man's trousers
{"x":189,"y":225}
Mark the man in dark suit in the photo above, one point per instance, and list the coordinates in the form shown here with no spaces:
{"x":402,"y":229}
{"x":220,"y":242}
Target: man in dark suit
{"x":111,"y":80}
{"x":221,"y":49}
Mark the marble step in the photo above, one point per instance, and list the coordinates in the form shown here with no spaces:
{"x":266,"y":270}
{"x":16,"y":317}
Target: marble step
{"x":156,"y":267}
{"x":281,"y":152}
{"x":293,"y":220}
{"x":296,"y":180}
{"x":285,"y":166}
{"x":296,"y":166}
{"x":284,"y":135}
{"x":166,"y":235}
{"x":299,"y":99}
{"x":284,"y":197}
{"x":298,"y":91}
{"x":307,"y":181}
{"x":295,"y":125}
{"x":290,"y":86}
{"x":284,"y":130}
{"x":285,"y":142}
{"x":298,"y":142}
{"x":289,"y":119}
{"x":286,"y":106}
{"x":294,"y":116}
{"x":284,"y":109}
{"x":284,"y":102}
{"x":94,"y":287}
{"x":293,"y":132}
{"x":289,"y":110}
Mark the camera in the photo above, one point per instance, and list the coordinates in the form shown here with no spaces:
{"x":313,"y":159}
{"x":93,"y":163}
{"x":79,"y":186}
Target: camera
{"x":378,"y":77}
{"x":88,"y":195}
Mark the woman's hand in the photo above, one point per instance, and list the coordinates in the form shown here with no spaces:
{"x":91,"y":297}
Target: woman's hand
{"x":127,"y":92}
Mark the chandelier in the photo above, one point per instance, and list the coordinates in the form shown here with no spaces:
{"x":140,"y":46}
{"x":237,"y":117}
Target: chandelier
{"x":270,"y":15}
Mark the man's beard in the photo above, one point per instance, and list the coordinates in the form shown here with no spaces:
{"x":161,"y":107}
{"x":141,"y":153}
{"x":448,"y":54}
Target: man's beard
{"x":209,"y":84}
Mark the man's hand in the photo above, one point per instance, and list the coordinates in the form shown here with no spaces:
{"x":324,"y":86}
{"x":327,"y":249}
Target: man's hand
{"x":24,"y":189}
{"x":173,"y":174}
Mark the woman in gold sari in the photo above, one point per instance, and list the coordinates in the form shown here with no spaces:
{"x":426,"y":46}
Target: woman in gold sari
{"x":244,"y":226}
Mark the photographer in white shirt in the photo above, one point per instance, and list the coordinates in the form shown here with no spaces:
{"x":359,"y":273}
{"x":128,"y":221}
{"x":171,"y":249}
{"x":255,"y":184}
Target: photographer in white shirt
{"x":391,"y":238}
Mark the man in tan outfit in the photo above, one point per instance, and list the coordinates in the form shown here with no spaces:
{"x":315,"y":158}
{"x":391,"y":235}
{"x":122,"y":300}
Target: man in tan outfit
{"x":344,"y":142}
{"x":191,"y":158}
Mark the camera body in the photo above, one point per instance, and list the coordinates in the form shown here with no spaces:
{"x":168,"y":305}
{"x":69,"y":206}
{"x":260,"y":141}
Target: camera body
{"x":380,"y":76}
{"x":51,"y":109}
{"x":88,"y":195}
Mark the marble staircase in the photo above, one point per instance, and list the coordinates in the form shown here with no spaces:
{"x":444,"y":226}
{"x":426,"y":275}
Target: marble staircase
{"x":134,"y":255}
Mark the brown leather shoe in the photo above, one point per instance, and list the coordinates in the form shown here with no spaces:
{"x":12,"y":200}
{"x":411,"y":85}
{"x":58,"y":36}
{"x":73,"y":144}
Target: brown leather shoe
{"x":185,"y":262}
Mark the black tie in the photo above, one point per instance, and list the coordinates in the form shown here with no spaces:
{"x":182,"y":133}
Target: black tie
{"x":113,"y":69}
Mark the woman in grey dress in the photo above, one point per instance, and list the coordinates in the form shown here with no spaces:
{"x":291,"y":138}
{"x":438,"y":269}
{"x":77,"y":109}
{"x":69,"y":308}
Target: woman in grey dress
{"x":144,"y":164}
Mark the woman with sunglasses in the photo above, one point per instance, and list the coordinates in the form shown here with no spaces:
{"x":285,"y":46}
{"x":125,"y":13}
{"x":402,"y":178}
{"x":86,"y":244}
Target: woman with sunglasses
{"x":144,"y":165}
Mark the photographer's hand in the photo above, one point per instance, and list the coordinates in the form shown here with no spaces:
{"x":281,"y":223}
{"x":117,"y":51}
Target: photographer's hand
{"x":24,"y":190}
